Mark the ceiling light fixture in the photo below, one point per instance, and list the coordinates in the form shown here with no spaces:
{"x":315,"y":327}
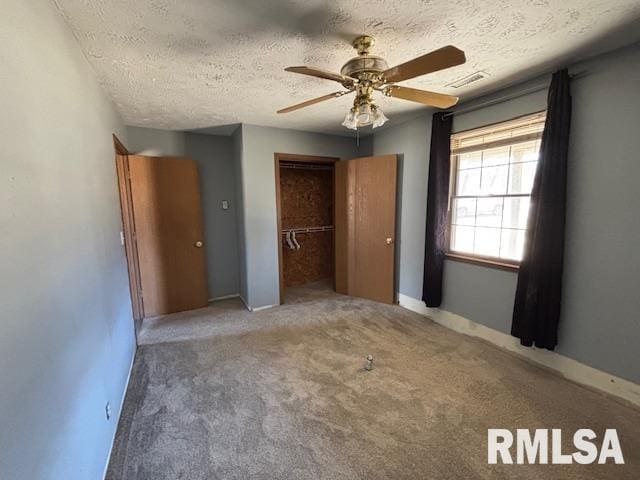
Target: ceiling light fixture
{"x":363,"y":115}
{"x":364,"y":112}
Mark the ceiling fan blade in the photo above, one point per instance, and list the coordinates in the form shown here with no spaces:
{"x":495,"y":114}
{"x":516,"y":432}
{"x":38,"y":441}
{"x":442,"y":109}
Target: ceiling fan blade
{"x":440,"y":59}
{"x":317,"y":72}
{"x":432,"y":99}
{"x":312,"y":102}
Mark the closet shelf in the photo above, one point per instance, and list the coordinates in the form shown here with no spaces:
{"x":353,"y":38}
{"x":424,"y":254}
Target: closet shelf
{"x":324,"y":228}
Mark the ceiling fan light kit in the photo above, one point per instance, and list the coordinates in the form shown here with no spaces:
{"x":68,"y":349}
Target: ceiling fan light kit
{"x":364,"y":115}
{"x":368,"y":73}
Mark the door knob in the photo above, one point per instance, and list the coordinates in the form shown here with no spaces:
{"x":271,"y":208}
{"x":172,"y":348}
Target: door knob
{"x":199,"y":244}
{"x":389,"y":240}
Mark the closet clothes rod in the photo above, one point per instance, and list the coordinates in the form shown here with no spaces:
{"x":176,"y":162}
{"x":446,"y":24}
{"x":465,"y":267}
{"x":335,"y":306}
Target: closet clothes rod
{"x":308,"y":166}
{"x":325,"y":228}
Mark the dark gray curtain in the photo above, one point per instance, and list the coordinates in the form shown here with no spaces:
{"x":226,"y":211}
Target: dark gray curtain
{"x":536,"y":311}
{"x":437,"y":200}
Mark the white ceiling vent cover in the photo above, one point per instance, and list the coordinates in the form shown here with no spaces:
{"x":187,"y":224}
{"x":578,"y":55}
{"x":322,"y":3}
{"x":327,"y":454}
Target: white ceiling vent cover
{"x":463,"y":82}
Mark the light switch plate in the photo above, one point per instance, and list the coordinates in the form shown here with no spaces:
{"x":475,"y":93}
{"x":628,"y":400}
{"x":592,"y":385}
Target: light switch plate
{"x":225,"y":204}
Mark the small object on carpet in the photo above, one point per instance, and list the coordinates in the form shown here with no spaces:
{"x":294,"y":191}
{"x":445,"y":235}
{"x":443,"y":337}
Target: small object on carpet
{"x":369,"y":366}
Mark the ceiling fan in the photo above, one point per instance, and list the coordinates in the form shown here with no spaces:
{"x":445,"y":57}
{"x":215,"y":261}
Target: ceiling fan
{"x":367,"y":73}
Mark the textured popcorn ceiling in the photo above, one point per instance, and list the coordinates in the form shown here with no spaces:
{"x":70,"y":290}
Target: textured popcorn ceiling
{"x":192,"y":64}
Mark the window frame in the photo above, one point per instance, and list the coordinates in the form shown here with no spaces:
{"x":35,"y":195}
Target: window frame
{"x":473,"y":258}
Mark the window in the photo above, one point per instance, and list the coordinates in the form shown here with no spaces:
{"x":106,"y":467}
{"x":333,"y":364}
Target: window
{"x":492,"y":176}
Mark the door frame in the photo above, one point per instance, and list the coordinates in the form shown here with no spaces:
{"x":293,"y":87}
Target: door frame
{"x":292,"y":157}
{"x":128,"y":231}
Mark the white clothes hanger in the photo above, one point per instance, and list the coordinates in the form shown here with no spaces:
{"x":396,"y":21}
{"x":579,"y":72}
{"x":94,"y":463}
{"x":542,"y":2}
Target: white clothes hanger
{"x":288,"y":238}
{"x":295,"y":242}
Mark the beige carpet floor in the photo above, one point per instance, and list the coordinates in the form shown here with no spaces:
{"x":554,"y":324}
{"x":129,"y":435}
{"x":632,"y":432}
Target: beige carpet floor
{"x":221,"y":393}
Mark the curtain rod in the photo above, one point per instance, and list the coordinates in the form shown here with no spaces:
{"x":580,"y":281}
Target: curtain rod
{"x":506,"y":98}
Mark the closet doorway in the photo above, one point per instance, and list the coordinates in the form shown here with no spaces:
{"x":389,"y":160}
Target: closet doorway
{"x":337,"y":223}
{"x":305,"y":210}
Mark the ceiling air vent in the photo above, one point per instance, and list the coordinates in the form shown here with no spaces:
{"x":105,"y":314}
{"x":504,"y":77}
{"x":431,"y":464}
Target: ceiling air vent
{"x":463,"y":82}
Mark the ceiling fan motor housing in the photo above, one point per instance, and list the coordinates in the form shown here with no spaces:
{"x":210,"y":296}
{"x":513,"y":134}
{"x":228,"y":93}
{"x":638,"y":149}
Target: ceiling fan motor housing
{"x":364,"y":64}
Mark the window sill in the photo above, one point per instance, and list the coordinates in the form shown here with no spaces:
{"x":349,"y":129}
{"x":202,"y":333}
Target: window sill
{"x":483,"y":262}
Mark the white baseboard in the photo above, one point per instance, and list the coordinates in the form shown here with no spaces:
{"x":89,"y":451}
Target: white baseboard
{"x":224,"y":297}
{"x":255,"y":309}
{"x":246,"y":305}
{"x":117,"y":420}
{"x":567,"y":367}
{"x":264,"y":307}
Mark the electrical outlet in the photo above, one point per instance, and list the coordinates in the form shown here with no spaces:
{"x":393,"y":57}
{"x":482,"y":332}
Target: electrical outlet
{"x":225,"y":204}
{"x":107,"y":410}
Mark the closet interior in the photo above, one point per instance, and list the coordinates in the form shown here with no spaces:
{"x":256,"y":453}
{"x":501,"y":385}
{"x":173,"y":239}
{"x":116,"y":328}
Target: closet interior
{"x":306,"y":193}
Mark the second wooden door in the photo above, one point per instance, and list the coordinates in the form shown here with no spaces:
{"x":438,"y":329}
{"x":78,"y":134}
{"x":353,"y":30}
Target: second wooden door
{"x":165,"y":194}
{"x":365,"y":221}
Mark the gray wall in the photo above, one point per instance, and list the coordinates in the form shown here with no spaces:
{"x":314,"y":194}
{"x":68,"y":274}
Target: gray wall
{"x":259,"y":198}
{"x":67,"y":338}
{"x":599,"y":323}
{"x":601,"y":307}
{"x":155,"y":143}
{"x":242,"y":248}
{"x":411,"y":141}
{"x":214,"y":155}
{"x":215,"y":158}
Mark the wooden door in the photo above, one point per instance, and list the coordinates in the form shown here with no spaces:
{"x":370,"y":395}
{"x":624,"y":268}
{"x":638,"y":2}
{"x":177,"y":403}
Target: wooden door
{"x":165,"y":195}
{"x":365,"y":221}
